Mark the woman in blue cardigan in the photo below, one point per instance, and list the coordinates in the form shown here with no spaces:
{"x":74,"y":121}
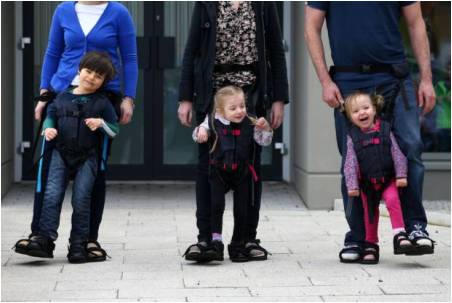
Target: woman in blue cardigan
{"x":77,"y":28}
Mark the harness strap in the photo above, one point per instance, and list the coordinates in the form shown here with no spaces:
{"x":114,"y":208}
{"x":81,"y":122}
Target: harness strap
{"x":234,"y":68}
{"x":253,"y":172}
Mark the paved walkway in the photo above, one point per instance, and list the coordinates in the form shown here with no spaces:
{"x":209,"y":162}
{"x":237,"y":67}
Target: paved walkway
{"x":147,"y":227}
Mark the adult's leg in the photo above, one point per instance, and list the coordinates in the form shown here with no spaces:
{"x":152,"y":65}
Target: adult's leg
{"x":53,"y":197}
{"x":353,"y":207}
{"x":97,"y":205}
{"x":240,"y":209}
{"x":203,"y":195}
{"x":218,"y":191}
{"x":81,"y":199}
{"x":41,"y":183}
{"x":371,"y":227}
{"x":407,"y":132}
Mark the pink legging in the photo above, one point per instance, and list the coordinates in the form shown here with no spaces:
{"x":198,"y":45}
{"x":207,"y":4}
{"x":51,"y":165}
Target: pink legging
{"x":391,"y":197}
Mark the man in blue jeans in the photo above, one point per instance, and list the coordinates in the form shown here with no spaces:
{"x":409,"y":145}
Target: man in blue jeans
{"x":368,"y":55}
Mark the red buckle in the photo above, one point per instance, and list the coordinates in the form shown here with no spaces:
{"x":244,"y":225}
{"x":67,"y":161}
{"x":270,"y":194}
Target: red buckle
{"x":375,"y":140}
{"x":235,"y":132}
{"x":253,"y":172}
{"x":234,"y":166}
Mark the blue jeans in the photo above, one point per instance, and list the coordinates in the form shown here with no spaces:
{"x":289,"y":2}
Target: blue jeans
{"x":406,"y":128}
{"x":81,"y":197}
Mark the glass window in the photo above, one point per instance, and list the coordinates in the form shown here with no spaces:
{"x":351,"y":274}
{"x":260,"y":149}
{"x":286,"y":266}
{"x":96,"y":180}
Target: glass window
{"x":435,"y":126}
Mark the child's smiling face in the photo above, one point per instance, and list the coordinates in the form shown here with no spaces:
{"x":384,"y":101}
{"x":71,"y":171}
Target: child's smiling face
{"x":362,"y":112}
{"x":234,"y":108}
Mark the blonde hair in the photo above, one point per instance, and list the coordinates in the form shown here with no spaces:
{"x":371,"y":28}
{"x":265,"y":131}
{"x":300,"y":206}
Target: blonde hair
{"x":219,"y":105}
{"x":377,"y":102}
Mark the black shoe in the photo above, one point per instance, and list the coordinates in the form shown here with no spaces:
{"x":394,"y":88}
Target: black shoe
{"x":401,"y":249}
{"x":77,"y":253}
{"x":237,"y":252}
{"x":196,"y":252}
{"x":215,"y":251}
{"x":255,"y":251}
{"x":41,"y":247}
{"x":422,"y":244}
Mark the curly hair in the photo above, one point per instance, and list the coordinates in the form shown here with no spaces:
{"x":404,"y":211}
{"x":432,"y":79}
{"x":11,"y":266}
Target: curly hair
{"x":377,"y":102}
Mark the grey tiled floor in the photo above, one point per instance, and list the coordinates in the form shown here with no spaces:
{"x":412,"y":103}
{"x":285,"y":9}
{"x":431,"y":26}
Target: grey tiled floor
{"x":147,"y":227}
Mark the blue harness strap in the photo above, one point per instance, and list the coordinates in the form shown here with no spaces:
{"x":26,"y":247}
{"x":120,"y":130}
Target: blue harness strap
{"x":38,"y":181}
{"x":104,"y":153}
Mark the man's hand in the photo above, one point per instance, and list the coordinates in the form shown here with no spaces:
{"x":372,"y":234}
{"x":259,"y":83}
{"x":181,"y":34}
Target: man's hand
{"x":126,"y":110}
{"x":277,"y":114}
{"x":93,"y":123}
{"x":50,"y":133}
{"x":261,"y":123}
{"x":401,"y":182}
{"x":353,"y":193}
{"x":184,"y":112}
{"x":332,"y":95}
{"x":426,"y":96}
{"x":203,"y":135}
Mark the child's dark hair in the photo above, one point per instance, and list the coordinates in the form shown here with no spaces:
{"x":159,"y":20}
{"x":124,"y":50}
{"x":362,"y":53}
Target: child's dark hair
{"x":100,"y":63}
{"x":377,"y":101}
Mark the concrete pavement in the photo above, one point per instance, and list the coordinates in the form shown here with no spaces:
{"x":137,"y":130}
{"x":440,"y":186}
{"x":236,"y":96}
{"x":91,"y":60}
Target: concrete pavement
{"x":146,"y":228}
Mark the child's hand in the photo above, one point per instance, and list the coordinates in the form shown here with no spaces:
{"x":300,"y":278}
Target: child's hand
{"x":50,"y":133}
{"x":353,"y":193}
{"x":93,"y":123}
{"x":402,"y":182}
{"x":261,"y":123}
{"x":203,"y":135}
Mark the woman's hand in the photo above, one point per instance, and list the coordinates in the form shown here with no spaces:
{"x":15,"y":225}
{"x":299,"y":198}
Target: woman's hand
{"x":353,"y":193}
{"x":40,"y":106}
{"x":401,"y":182}
{"x":126,"y":110}
{"x":93,"y":123}
{"x":50,"y":133}
{"x":261,"y":123}
{"x":203,"y":135}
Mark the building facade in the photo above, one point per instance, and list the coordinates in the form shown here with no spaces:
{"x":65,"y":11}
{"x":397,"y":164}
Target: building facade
{"x":156,"y":147}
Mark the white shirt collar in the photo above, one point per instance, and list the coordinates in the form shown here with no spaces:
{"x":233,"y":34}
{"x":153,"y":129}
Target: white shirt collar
{"x":222,"y":119}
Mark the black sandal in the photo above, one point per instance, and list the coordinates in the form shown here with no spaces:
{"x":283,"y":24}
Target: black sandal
{"x":255,"y":245}
{"x":200,"y":256}
{"x":418,"y":249}
{"x":95,"y":253}
{"x":401,"y":249}
{"x":41,"y":247}
{"x":370,"y":249}
{"x":351,"y":249}
{"x":237,"y":253}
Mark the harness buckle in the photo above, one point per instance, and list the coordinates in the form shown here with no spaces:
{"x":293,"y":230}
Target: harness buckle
{"x":366,"y":68}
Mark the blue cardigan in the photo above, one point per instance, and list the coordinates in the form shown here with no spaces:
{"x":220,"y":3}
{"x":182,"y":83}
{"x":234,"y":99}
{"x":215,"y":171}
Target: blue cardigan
{"x":68,"y":44}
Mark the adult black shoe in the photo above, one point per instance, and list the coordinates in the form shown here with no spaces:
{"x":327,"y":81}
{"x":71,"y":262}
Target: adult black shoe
{"x":197,"y":252}
{"x":77,"y":253}
{"x":215,"y":251}
{"x":422,"y":244}
{"x":41,"y":247}
{"x":237,"y":252}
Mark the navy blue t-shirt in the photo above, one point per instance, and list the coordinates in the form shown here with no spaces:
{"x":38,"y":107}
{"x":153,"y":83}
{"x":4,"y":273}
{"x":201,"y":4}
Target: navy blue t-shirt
{"x":363,"y":32}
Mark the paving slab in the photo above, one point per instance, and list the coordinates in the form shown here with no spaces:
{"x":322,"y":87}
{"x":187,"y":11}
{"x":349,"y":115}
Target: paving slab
{"x":147,"y":227}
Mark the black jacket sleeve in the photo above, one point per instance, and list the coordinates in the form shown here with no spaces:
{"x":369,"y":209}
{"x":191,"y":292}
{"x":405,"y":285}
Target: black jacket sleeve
{"x":275,"y":53}
{"x":191,"y":49}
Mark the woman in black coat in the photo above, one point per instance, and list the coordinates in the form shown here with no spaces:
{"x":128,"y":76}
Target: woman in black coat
{"x":238,"y":43}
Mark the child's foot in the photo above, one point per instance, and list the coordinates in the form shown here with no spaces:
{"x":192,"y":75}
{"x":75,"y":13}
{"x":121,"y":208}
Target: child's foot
{"x":41,"y":247}
{"x":195,"y":252}
{"x":215,"y":251}
{"x":401,"y":243}
{"x":77,"y":253}
{"x":255,"y":251}
{"x":237,"y":252}
{"x":422,"y":244}
{"x":350,"y":254}
{"x":371,"y":253}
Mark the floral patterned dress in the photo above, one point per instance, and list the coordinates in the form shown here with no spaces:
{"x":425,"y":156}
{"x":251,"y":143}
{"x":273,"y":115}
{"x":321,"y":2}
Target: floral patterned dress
{"x":235,"y":43}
